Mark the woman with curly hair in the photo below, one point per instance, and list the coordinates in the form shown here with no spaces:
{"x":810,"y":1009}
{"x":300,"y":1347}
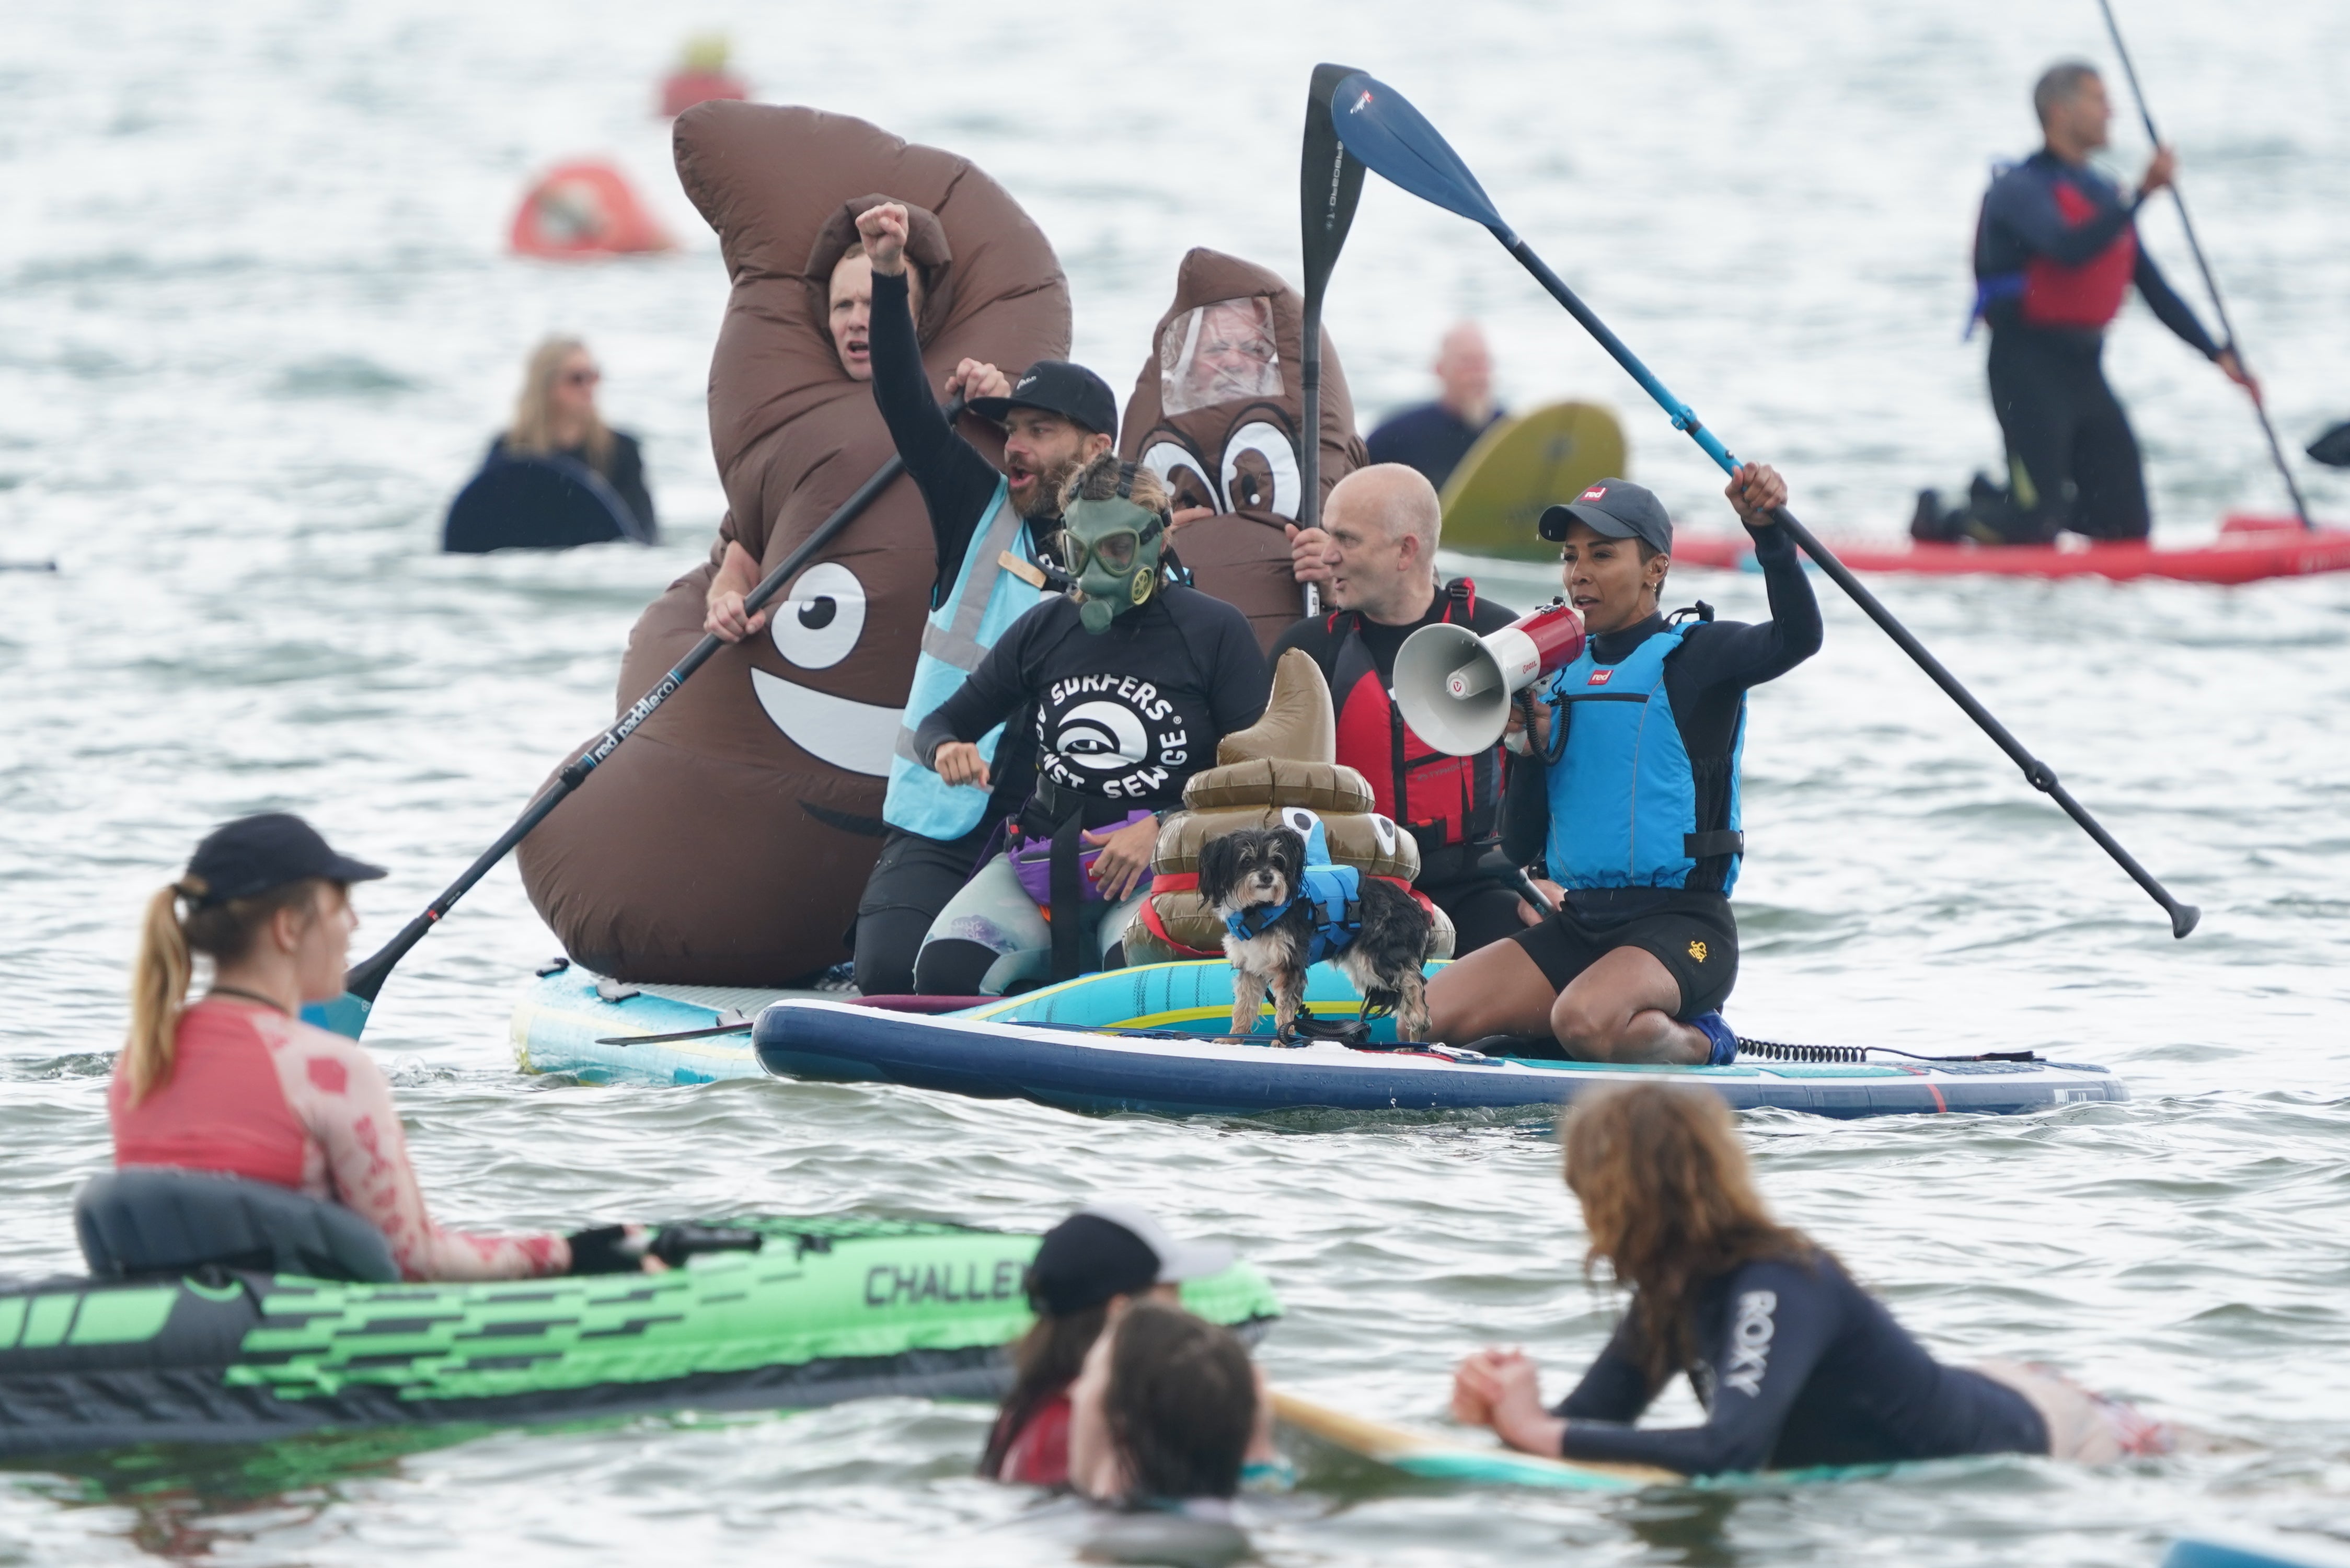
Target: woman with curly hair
{"x":1795,"y":1364}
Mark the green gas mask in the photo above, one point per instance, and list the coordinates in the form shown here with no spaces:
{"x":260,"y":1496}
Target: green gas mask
{"x":1113,"y":549}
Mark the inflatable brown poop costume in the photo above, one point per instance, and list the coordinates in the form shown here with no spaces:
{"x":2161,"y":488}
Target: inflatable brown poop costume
{"x":1282,"y":769}
{"x":1215,"y":413}
{"x":726,"y":843}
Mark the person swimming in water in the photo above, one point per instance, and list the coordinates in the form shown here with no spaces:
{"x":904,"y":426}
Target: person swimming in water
{"x":1795,"y":1364}
{"x":1090,"y":1269}
{"x":236,"y":1082}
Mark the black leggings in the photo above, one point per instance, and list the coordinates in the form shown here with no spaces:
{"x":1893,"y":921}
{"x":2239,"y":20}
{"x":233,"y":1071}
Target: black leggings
{"x":2072,"y":462}
{"x":910,"y":883}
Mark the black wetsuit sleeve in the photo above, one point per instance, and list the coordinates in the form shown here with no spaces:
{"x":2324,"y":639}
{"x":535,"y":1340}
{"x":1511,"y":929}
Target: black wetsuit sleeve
{"x":1778,"y":1323}
{"x":2170,"y":310}
{"x":1525,"y":810}
{"x":1239,"y":682}
{"x":1615,"y":1388}
{"x":2024,"y":203}
{"x":627,"y":478}
{"x":1733,"y":654}
{"x":956,"y":482}
{"x":988,"y":695}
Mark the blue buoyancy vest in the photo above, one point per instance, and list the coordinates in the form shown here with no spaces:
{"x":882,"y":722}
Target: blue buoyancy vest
{"x":1334,"y":893}
{"x":961,"y":630}
{"x":1623,"y":795}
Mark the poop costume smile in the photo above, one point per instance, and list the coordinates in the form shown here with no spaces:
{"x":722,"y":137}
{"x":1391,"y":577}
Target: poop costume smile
{"x":727,"y":842}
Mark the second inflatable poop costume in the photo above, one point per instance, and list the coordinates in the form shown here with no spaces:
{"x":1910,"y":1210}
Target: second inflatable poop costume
{"x":1282,"y":770}
{"x":1216,"y":413}
{"x":726,"y":843}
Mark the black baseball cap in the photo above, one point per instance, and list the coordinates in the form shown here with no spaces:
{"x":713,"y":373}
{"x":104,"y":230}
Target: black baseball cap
{"x":1108,"y":1250}
{"x":256,"y":854}
{"x":1059,"y":388}
{"x":1617,"y":509}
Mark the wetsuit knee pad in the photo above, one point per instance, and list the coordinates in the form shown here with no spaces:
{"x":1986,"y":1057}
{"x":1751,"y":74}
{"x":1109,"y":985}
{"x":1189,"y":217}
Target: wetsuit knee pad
{"x":952,"y":966}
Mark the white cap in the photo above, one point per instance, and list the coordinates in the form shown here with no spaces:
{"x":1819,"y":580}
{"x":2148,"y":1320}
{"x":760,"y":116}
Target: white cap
{"x":1178,"y":1261}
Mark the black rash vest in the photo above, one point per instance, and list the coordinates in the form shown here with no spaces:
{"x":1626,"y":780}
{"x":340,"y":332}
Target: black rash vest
{"x":1707,"y":678}
{"x":1796,"y":1366}
{"x":1125,"y":716}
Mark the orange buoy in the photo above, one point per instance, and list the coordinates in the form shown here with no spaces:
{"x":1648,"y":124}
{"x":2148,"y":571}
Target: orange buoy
{"x":583,"y":209}
{"x":683,"y":90}
{"x":701,"y":76}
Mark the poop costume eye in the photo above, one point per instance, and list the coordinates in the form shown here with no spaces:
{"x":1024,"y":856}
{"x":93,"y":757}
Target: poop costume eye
{"x":1184,"y":474}
{"x":1260,"y":471}
{"x":817,"y":626}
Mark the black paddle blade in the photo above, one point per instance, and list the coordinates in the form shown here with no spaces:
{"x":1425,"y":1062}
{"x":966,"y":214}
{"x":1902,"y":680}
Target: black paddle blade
{"x":1378,"y":125}
{"x":1330,"y":182}
{"x":2332,"y":448}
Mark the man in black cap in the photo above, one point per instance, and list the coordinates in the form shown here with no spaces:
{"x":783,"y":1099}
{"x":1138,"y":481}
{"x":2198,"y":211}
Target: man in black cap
{"x":1627,"y":788}
{"x":1055,"y":417}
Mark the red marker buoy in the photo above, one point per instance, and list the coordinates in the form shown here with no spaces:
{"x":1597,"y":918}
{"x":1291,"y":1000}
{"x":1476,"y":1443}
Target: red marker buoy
{"x":583,"y":209}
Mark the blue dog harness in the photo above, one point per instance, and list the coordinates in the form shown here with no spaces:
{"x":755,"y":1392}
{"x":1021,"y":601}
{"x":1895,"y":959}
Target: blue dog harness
{"x":1334,"y":893}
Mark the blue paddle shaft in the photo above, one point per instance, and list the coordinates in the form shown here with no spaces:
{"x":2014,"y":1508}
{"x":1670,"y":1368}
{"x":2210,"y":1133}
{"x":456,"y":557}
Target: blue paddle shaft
{"x":1380,"y":126}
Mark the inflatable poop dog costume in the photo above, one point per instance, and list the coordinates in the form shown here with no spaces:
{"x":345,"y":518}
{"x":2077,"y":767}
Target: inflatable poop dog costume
{"x":727,"y":842}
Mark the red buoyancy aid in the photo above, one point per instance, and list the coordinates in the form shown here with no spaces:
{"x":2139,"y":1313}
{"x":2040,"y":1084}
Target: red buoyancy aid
{"x":2089,"y":295}
{"x":1447,"y":800}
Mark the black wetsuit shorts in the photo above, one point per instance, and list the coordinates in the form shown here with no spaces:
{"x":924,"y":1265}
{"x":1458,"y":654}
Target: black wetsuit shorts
{"x":1693,"y":935}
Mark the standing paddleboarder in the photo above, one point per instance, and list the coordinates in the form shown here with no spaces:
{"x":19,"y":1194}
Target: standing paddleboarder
{"x":2056,"y":253}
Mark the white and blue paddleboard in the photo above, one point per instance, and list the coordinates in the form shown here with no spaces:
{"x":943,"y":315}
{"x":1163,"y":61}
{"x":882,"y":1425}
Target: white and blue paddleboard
{"x":1150,"y":1039}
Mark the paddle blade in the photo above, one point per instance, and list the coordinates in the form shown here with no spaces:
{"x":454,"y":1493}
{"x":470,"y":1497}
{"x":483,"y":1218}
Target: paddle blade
{"x":1330,"y":182}
{"x":346,"y":1015}
{"x":1378,"y":125}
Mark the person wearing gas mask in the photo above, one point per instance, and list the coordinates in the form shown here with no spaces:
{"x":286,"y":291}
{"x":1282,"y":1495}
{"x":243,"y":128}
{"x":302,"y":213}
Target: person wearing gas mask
{"x":1133,"y":679}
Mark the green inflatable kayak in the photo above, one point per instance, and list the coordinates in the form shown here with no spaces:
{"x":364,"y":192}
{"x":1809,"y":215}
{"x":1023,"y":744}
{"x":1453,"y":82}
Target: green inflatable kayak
{"x":829,"y":1308}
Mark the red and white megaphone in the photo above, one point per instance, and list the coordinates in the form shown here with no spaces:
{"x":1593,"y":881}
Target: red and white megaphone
{"x":1454,"y":686}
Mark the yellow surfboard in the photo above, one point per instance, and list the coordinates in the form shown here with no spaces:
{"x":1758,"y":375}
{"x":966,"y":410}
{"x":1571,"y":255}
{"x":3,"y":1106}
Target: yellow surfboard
{"x":1521,"y":465}
{"x":1435,"y":1457}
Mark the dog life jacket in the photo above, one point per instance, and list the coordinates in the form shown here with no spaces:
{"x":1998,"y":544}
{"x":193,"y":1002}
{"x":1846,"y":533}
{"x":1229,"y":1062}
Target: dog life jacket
{"x":1444,"y":800}
{"x":1623,"y":792}
{"x":1334,"y":893}
{"x":976,"y":612}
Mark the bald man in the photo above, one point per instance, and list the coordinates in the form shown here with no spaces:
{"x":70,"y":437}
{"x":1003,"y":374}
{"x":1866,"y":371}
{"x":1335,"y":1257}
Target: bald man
{"x":1374,"y":558}
{"x":1434,"y":436}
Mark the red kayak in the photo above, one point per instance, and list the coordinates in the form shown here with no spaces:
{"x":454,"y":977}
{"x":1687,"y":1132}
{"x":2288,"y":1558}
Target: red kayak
{"x":2247,"y":550}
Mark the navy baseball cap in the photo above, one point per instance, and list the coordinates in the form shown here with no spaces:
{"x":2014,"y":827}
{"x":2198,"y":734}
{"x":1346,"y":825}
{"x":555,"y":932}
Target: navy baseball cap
{"x":1614,"y":509}
{"x":256,"y":854}
{"x":1057,"y":387}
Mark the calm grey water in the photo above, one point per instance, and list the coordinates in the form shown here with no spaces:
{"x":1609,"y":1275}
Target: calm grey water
{"x":255,"y":324}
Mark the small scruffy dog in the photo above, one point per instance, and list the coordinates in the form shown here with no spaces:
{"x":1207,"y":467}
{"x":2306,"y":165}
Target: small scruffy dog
{"x":1384,"y":940}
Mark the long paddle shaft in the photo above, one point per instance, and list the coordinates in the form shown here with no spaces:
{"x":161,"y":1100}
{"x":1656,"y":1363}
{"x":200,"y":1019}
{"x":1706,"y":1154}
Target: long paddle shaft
{"x":1330,"y":183}
{"x":1387,"y":133}
{"x":2210,"y":285}
{"x":366,"y":979}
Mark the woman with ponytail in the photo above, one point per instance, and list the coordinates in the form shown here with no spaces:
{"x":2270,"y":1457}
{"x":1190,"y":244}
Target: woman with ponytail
{"x":1795,"y":1364}
{"x":234,"y":1083}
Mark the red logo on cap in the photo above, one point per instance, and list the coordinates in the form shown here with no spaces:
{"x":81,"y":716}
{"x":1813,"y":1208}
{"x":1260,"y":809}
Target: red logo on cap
{"x":1593,"y":493}
{"x":1599,"y":677}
